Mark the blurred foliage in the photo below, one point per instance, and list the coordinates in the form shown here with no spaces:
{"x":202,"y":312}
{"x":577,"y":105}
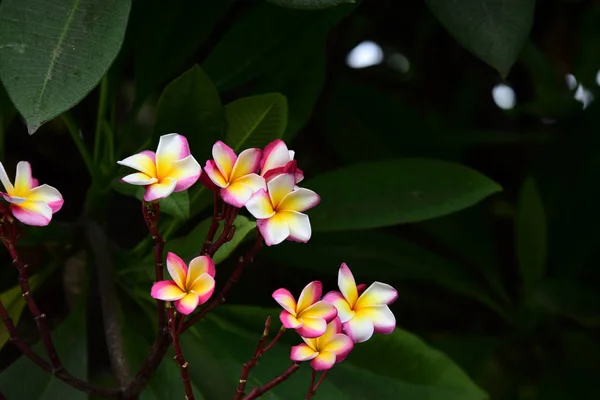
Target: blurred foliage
{"x":484,"y":218}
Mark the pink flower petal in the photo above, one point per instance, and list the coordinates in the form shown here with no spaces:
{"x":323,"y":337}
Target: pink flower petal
{"x":187,"y":304}
{"x":383,"y":319}
{"x":333,"y":328}
{"x":34,"y":213}
{"x":160,"y":190}
{"x":339,"y":344}
{"x":139,"y":178}
{"x":345,"y":313}
{"x":237,"y":194}
{"x":347,"y":285}
{"x":186,"y":172}
{"x":285,"y":300}
{"x":377,"y":294}
{"x":302,"y":352}
{"x":14,"y":199}
{"x":299,"y":200}
{"x":309,"y":296}
{"x":8,"y":187}
{"x":167,"y":291}
{"x":177,"y":269}
{"x":359,"y":329}
{"x":275,"y":155}
{"x":48,"y":195}
{"x":211,"y":170}
{"x":207,"y":181}
{"x":253,"y":181}
{"x":171,"y":148}
{"x":225,"y":159}
{"x":260,"y":205}
{"x":321,"y":309}
{"x":324,"y":361}
{"x":279,"y":187}
{"x":23,"y":179}
{"x":299,"y":226}
{"x":198,"y":266}
{"x":312,"y":327}
{"x":289,"y":321}
{"x":247,"y":163}
{"x":274,"y":230}
{"x":204,"y":287}
{"x":143,"y":162}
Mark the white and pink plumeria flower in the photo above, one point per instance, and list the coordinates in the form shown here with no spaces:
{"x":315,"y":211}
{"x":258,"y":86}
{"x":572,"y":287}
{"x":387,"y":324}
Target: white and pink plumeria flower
{"x":171,"y":169}
{"x":190,"y":287}
{"x":364,"y":314}
{"x":277,"y":160}
{"x":279,"y":211}
{"x":309,"y":316}
{"x":326,"y":350}
{"x":235,"y":175}
{"x":30,"y":203}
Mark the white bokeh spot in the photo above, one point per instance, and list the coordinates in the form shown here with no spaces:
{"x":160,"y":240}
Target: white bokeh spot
{"x":504,"y":96}
{"x":365,"y":54}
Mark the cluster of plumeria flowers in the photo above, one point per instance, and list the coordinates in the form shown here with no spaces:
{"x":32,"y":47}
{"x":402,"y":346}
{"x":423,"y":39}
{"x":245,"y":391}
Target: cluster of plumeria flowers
{"x":265,"y":182}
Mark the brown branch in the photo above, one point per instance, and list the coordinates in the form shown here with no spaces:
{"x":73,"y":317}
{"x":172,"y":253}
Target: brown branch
{"x":313,"y":376}
{"x":214,"y":225}
{"x":109,"y":301}
{"x":183,"y":365}
{"x":228,"y":230}
{"x":313,"y":387}
{"x":259,"y":391}
{"x":151,"y":212}
{"x":233,"y":279}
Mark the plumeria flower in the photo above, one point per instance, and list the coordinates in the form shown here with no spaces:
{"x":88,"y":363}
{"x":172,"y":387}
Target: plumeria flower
{"x":235,"y":175}
{"x":30,"y":202}
{"x":279,"y":211}
{"x":277,"y":160}
{"x":365,"y":314}
{"x":190,"y":287}
{"x":171,"y":169}
{"x":326,"y":350}
{"x":309,"y":317}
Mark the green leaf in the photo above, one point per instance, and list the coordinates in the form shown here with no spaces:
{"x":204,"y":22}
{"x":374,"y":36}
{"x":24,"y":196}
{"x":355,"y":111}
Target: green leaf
{"x":70,"y":339}
{"x":14,"y":303}
{"x":184,"y":26}
{"x":53,"y":53}
{"x":255,"y":121}
{"x":190,"y":106}
{"x":7,"y":114}
{"x":300,"y":82}
{"x":310,"y":4}
{"x":264,"y":39}
{"x":394,"y":192}
{"x":177,"y":205}
{"x":382,"y":257}
{"x":493,"y":30}
{"x":406,"y":367}
{"x":530,"y":235}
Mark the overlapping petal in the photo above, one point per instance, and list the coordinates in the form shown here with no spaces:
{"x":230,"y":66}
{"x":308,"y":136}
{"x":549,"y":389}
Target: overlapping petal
{"x":215,"y":174}
{"x":247,"y":163}
{"x":171,"y":148}
{"x":177,"y":269}
{"x":377,"y":294}
{"x":285,"y":300}
{"x":302,"y":352}
{"x":338,"y":300}
{"x":8,"y":186}
{"x":167,"y":291}
{"x":34,"y":213}
{"x":187,"y":304}
{"x":383,"y":319}
{"x":275,"y":155}
{"x":242,"y":189}
{"x":139,"y":179}
{"x":160,"y":190}
{"x":298,"y":225}
{"x":204,"y":287}
{"x":260,"y":205}
{"x":309,"y":296}
{"x":299,"y":200}
{"x":143,"y":162}
{"x":320,"y":309}
{"x":224,"y":157}
{"x":324,"y":361}
{"x":186,"y":172}
{"x":274,"y":230}
{"x":289,"y":321}
{"x":279,"y":187}
{"x":23,"y":179}
{"x":360,"y":328}
{"x":198,"y":266}
{"x":339,"y":344}
{"x":311,"y":327}
{"x":47,"y":194}
{"x":347,"y":285}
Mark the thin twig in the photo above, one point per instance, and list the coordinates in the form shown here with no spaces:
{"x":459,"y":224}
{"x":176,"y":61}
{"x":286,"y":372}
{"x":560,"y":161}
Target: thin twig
{"x":151,"y":212}
{"x":149,"y":366}
{"x":313,"y":376}
{"x":241,"y":389}
{"x":109,"y":301}
{"x":228,"y":230}
{"x":214,"y":225}
{"x":259,"y":391}
{"x":313,"y":386}
{"x":183,"y":365}
{"x":233,"y":279}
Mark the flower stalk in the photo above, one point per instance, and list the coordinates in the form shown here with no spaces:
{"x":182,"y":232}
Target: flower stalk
{"x":175,"y":329}
{"x":151,"y":212}
{"x":259,"y":391}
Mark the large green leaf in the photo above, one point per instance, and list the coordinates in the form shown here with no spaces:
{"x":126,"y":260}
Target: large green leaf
{"x":53,"y":52}
{"x":310,"y":4}
{"x":265,"y":38}
{"x":301,"y":82}
{"x":493,"y":30}
{"x":405,"y":366}
{"x":383,"y":257}
{"x":177,"y":205}
{"x":7,"y":113}
{"x":70,"y":340}
{"x":392,"y":192}
{"x":190,"y":106}
{"x":255,"y":121}
{"x":184,"y":26}
{"x":531,"y":242}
